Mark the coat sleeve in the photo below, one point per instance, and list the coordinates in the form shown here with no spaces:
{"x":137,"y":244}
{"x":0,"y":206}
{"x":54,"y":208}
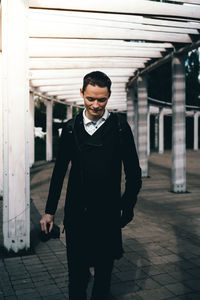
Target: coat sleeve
{"x":62,"y":161}
{"x":132,"y":169}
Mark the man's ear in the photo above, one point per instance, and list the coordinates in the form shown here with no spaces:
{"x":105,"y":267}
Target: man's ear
{"x":81,"y":92}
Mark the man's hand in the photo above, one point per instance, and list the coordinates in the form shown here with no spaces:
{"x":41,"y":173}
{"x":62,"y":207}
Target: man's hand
{"x":126,"y":217}
{"x":46,"y":219}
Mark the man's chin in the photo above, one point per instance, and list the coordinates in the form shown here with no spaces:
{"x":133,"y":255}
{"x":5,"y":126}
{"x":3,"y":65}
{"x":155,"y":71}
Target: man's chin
{"x":96,"y":112}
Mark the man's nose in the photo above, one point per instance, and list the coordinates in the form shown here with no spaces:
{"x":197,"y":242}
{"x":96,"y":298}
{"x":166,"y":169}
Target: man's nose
{"x":96,"y":104}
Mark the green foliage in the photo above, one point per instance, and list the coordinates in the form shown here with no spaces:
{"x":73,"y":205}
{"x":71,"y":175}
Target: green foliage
{"x":59,"y":111}
{"x":40,"y":149}
{"x":159,"y":83}
{"x":192,"y":68}
{"x":40,"y":114}
{"x":76,"y":110}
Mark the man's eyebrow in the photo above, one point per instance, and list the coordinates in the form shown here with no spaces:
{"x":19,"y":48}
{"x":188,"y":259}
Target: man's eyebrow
{"x":104,"y":98}
{"x":98,"y":99}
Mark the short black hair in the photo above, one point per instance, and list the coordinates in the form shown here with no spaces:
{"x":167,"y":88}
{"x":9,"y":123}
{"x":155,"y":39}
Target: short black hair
{"x":97,"y":78}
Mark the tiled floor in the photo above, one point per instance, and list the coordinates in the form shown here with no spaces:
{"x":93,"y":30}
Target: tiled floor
{"x":162,"y":244}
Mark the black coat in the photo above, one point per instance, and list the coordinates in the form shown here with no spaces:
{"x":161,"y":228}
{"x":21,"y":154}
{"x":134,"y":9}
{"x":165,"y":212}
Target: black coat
{"x":93,"y":201}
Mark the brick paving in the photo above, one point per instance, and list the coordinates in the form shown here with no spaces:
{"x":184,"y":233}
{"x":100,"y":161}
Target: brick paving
{"x":162,"y":244}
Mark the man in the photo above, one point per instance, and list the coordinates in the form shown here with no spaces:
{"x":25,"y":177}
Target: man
{"x":96,"y":142}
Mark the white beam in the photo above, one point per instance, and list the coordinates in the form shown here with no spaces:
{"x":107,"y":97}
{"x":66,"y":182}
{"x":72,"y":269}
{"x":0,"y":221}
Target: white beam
{"x":75,"y":93}
{"x":76,"y":80}
{"x":94,"y":32}
{"x":16,"y":206}
{"x":133,"y":19}
{"x":103,"y":44}
{"x":58,"y":74}
{"x":57,"y":88}
{"x":42,"y":49}
{"x":43,"y":21}
{"x":42,"y":63}
{"x":141,"y":7}
{"x":74,"y":62}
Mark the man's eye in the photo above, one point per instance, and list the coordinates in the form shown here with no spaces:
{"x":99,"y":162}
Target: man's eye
{"x":99,"y":100}
{"x":102,"y":100}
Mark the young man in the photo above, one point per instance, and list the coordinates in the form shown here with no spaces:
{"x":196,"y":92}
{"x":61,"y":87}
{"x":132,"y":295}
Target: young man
{"x":96,"y":143}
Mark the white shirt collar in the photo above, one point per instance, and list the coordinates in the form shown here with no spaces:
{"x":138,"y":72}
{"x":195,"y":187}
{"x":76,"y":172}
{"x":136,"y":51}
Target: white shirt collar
{"x":88,"y":121}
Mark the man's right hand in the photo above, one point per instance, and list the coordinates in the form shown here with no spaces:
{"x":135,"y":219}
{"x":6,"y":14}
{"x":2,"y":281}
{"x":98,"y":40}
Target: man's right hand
{"x":46,"y":219}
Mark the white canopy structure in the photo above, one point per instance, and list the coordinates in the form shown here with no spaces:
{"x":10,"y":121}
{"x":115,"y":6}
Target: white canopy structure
{"x":47,"y":46}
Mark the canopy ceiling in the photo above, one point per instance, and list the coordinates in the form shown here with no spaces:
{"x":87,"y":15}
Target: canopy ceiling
{"x":68,"y":39}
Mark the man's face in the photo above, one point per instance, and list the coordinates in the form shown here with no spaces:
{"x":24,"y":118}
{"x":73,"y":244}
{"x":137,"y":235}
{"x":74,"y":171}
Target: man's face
{"x":95,"y":100}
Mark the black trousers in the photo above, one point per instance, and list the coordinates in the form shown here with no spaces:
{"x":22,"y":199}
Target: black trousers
{"x":78,"y":268}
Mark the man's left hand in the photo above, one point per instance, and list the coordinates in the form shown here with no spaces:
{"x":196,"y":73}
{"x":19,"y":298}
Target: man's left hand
{"x":126,"y":217}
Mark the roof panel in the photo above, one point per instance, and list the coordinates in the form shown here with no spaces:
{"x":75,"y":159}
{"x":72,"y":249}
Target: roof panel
{"x":38,"y":14}
{"x":140,"y":7}
{"x":77,"y":31}
{"x":44,"y":20}
{"x":71,"y":38}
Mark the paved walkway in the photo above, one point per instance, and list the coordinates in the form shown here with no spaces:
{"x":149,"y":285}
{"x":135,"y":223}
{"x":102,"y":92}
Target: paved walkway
{"x":162,"y":244}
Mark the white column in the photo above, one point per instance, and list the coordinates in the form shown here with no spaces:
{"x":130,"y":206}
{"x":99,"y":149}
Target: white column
{"x":156,"y":131}
{"x":15,"y":89}
{"x":142,"y":125}
{"x":130,"y":108}
{"x":135,"y":104}
{"x":32,"y":133}
{"x":1,"y":130}
{"x":148,"y":131}
{"x":69,"y":112}
{"x":161,"y":131}
{"x":196,"y":130}
{"x":49,"y":131}
{"x":178,"y":183}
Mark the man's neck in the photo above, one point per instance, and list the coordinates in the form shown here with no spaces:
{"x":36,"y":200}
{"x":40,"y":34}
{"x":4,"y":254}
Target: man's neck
{"x":93,"y":118}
